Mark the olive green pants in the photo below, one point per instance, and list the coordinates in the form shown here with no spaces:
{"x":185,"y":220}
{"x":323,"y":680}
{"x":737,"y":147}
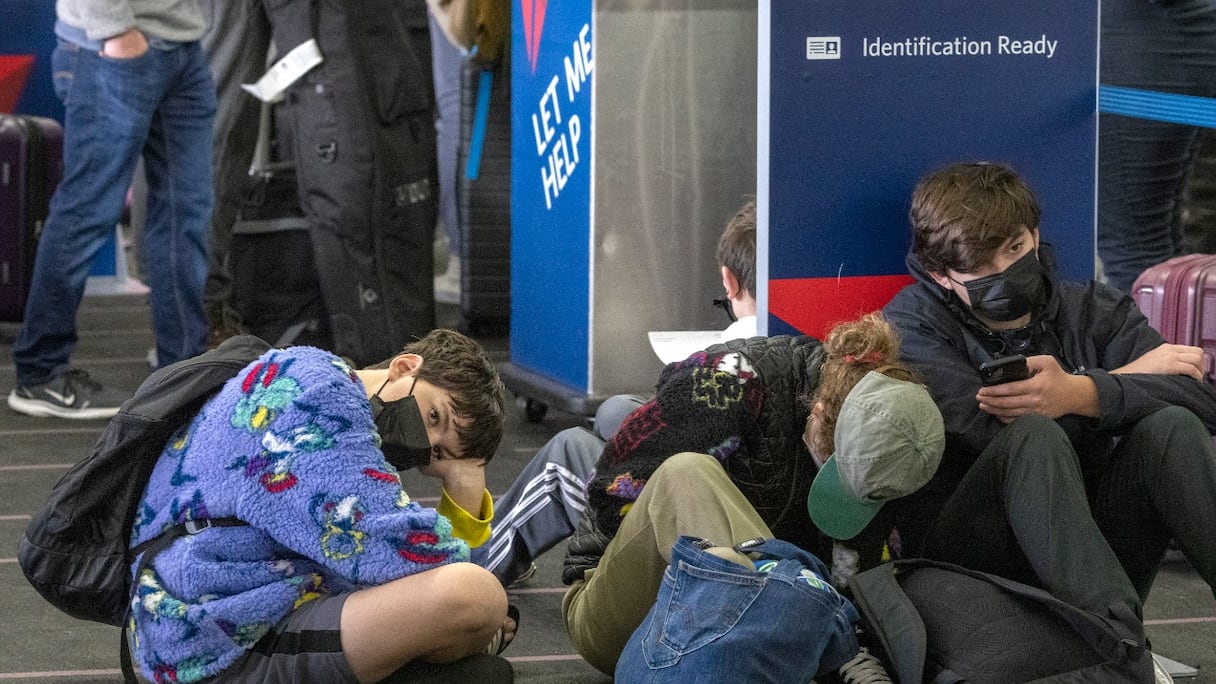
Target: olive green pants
{"x":690,"y":494}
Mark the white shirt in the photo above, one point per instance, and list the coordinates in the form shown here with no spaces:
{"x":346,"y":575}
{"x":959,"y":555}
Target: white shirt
{"x":743,"y":328}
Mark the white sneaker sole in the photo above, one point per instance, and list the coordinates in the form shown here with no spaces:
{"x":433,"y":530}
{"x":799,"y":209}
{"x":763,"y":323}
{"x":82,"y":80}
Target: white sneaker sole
{"x":39,"y":409}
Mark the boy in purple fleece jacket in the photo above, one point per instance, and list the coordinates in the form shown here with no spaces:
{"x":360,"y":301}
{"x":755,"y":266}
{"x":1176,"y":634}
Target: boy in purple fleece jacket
{"x":338,"y":576}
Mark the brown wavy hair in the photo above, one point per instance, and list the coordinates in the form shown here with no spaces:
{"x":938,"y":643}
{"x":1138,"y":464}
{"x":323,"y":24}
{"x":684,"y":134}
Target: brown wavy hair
{"x":854,"y":348}
{"x":961,"y":214}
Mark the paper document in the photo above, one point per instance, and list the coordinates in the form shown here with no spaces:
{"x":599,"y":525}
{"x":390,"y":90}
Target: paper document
{"x":286,"y":71}
{"x":676,"y":345}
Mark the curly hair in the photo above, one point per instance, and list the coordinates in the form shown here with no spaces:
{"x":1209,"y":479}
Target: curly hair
{"x":457,"y":364}
{"x":853,"y":348}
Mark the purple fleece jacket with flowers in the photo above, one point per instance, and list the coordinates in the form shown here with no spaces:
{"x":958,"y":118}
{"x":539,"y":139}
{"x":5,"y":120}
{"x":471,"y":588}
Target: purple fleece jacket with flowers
{"x":289,"y":447}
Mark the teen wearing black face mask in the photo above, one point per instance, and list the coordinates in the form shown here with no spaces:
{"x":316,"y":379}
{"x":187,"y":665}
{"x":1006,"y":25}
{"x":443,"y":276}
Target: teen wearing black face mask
{"x":419,"y":428}
{"x":290,"y":448}
{"x":1011,"y":294}
{"x":1033,"y":483}
{"x":402,"y":431}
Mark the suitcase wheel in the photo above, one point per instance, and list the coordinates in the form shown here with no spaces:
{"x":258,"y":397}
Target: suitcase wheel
{"x":535,"y":410}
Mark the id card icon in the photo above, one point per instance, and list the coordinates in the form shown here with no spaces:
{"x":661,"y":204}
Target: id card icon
{"x":823,"y":47}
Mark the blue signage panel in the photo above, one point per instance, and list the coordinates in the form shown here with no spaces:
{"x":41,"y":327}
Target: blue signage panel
{"x":866,"y":96}
{"x":552,"y":63}
{"x":29,"y":28}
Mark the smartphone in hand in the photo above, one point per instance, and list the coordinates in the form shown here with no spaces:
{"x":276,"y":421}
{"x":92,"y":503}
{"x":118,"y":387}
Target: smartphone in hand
{"x":1005,"y":369}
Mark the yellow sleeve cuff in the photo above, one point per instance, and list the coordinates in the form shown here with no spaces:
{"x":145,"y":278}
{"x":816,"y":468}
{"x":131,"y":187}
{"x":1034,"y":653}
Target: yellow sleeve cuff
{"x":474,"y":529}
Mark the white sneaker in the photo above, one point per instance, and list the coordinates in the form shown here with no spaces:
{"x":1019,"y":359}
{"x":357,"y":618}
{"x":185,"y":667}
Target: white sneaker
{"x":447,"y":286}
{"x":1160,"y":674}
{"x":864,"y":668}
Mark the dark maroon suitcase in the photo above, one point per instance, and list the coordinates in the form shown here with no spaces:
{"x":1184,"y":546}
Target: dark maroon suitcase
{"x":1179,"y":298}
{"x":31,"y":165}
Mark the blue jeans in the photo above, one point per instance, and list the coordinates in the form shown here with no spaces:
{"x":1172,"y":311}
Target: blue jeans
{"x":447,"y":65}
{"x":715,"y":621}
{"x":160,"y":105}
{"x":1143,"y":165}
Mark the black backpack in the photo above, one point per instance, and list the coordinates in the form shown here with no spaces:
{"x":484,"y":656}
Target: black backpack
{"x":942,"y":623}
{"x":75,"y":550}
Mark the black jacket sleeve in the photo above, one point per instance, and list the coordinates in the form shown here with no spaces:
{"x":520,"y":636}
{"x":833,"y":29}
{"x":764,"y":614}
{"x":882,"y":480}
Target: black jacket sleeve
{"x":1119,"y":334}
{"x":584,"y":550}
{"x":935,"y":344}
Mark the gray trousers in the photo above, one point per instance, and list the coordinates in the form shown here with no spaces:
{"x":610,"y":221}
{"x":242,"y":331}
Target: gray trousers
{"x":545,"y":502}
{"x":236,"y":42}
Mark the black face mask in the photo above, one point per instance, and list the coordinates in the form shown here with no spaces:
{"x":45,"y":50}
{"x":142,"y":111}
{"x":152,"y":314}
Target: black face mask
{"x":402,"y":431}
{"x":1010,"y":294}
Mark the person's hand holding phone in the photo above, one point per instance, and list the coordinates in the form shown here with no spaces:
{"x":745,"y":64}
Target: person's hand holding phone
{"x":1005,"y":369}
{"x":1048,"y":391}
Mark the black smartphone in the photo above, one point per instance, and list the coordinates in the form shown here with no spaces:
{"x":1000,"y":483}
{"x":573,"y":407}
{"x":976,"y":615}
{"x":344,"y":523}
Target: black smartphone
{"x":1004,"y":369}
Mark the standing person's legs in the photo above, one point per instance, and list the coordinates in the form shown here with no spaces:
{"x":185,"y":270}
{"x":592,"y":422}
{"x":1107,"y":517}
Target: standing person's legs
{"x":1021,"y":512}
{"x":1160,"y":483}
{"x":106,"y":119}
{"x":447,"y":63}
{"x":177,"y":157}
{"x":1143,"y":165}
{"x":689,"y":494}
{"x":236,"y":45}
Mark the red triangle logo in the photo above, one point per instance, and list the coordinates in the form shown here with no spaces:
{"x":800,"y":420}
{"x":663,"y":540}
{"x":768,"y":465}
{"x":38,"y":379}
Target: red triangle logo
{"x":534,"y":23}
{"x":14,"y":70}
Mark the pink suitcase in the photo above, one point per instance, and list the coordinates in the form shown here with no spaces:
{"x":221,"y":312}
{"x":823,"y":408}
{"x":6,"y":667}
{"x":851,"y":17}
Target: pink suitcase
{"x":1179,"y":298}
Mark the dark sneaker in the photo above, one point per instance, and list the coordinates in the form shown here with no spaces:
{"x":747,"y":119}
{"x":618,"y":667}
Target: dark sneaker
{"x":70,"y":395}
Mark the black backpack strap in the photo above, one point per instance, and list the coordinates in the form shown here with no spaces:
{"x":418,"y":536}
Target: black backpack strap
{"x":124,"y":658}
{"x":162,"y":541}
{"x":150,"y":549}
{"x":890,"y":617}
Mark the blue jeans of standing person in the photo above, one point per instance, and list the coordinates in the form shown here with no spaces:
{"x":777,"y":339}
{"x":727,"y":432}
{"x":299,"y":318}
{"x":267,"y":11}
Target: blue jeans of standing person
{"x":1143,"y":165}
{"x":447,"y":65}
{"x":160,"y":105}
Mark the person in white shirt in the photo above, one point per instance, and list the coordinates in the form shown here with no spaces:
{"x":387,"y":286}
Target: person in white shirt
{"x":547,"y":499}
{"x":737,"y":261}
